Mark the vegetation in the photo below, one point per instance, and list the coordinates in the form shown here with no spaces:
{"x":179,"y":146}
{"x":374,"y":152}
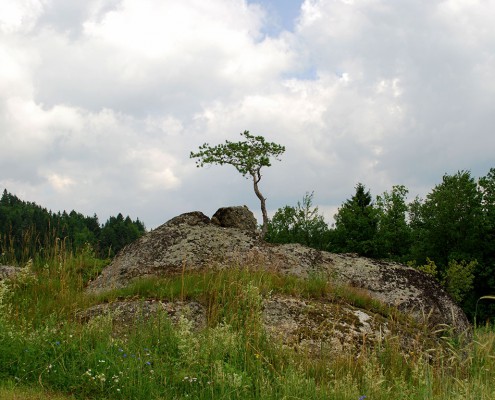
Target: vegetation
{"x":46,"y":352}
{"x":301,"y":224}
{"x":450,"y":233}
{"x":28,"y":230}
{"x":248,"y":157}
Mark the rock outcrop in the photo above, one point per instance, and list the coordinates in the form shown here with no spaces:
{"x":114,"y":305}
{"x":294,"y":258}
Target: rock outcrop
{"x":192,"y":242}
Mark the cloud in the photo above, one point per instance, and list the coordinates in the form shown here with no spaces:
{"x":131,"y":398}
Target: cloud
{"x":19,"y":16}
{"x":148,"y":56}
{"x":102,"y":101}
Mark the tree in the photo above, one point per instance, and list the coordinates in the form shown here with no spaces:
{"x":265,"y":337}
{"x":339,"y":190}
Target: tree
{"x":485,"y":280}
{"x":487,"y":189}
{"x":356,"y":224}
{"x":301,"y":224}
{"x":248,"y":157}
{"x":394,"y":235}
{"x":118,"y":232}
{"x":448,"y":224}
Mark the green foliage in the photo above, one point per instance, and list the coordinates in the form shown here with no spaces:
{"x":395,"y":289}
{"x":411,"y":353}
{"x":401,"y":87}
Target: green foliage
{"x":456,"y":222}
{"x":485,"y":279}
{"x":117,"y":232}
{"x":300,"y":224}
{"x":247,"y":156}
{"x":356,"y":224}
{"x":458,"y":279}
{"x":393,"y":237}
{"x":28,"y":231}
{"x":51,"y":287}
{"x":448,"y":224}
{"x":430,"y":268}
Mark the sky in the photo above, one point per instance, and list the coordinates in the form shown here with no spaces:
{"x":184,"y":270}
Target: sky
{"x":102,"y":101}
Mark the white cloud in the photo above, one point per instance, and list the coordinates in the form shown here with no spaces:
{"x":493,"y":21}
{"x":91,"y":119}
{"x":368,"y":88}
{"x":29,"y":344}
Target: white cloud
{"x":19,"y":15}
{"x":59,"y":182}
{"x":102,"y":101}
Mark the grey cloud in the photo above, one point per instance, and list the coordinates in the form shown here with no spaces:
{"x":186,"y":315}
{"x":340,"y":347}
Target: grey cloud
{"x":67,"y":17}
{"x":398,"y":94}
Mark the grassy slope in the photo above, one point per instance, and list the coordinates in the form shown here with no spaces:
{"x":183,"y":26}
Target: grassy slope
{"x":44,"y":350}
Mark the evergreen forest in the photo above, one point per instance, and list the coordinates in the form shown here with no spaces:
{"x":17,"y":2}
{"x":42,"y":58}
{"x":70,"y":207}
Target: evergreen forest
{"x":27,"y":229}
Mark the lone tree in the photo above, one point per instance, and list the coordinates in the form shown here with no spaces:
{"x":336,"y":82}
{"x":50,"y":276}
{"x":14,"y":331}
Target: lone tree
{"x":247,"y":156}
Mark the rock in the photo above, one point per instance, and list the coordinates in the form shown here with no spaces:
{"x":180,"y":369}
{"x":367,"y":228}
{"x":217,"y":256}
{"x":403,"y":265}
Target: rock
{"x":190,"y":242}
{"x":309,"y":325}
{"x":125,"y":313}
{"x":239,"y":217}
{"x":8,"y":272}
{"x":191,"y":218}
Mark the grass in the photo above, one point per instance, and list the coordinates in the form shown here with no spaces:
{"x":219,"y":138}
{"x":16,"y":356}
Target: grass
{"x":10,"y":391}
{"x":45,"y":353}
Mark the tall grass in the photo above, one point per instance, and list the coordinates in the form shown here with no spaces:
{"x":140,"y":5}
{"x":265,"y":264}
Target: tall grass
{"x":43,"y":346}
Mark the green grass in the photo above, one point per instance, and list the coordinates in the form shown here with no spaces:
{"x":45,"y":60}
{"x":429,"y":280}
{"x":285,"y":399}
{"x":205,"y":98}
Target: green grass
{"x":46,"y":353}
{"x":204,"y":285}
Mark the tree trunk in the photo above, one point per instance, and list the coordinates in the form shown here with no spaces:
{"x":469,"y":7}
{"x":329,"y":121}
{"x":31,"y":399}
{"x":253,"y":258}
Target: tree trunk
{"x":256,"y":178}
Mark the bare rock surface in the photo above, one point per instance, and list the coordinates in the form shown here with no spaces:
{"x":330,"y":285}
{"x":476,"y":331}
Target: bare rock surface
{"x":239,"y":217}
{"x":192,"y":242}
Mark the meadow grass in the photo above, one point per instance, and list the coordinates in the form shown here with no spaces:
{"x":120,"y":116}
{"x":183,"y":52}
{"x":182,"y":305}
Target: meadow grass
{"x":45,"y":352}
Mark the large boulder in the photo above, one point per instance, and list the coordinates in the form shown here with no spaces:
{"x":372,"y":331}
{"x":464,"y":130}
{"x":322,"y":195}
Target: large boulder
{"x":192,"y":242}
{"x":239,"y":217}
{"x":189,"y":241}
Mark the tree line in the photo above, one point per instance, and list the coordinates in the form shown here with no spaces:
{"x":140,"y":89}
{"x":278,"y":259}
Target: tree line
{"x":27,"y":229}
{"x":449,"y":234}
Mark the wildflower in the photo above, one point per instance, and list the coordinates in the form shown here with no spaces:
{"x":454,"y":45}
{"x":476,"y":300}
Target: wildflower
{"x":362,"y":397}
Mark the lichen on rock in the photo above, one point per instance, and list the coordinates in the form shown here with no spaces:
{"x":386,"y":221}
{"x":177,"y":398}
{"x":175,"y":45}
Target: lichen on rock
{"x":191,"y":242}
